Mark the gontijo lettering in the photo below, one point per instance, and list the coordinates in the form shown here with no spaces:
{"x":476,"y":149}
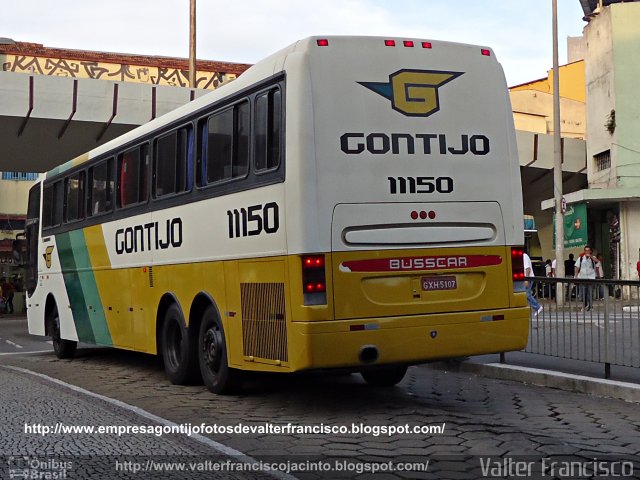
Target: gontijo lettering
{"x":149,"y":236}
{"x":413,"y":144}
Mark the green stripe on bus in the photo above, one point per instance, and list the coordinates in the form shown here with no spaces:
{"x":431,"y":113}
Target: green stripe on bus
{"x":91,"y":323}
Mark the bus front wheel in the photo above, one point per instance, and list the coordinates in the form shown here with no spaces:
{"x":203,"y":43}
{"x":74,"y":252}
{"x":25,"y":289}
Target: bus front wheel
{"x":385,"y":376}
{"x":62,"y":348}
{"x":178,"y":350}
{"x":212,"y":355}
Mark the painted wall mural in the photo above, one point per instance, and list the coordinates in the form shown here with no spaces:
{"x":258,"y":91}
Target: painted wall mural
{"x":61,"y":67}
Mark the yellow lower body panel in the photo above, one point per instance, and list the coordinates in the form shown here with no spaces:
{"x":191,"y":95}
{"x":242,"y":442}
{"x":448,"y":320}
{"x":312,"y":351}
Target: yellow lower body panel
{"x":414,"y":339}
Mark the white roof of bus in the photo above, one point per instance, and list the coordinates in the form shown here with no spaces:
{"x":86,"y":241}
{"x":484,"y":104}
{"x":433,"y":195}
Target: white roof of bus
{"x":260,"y":70}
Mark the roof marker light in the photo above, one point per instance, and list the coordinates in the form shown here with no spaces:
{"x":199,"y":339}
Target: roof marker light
{"x":427,"y":45}
{"x":486,"y":52}
{"x":322,"y":42}
{"x":390,"y":43}
{"x":408,"y":43}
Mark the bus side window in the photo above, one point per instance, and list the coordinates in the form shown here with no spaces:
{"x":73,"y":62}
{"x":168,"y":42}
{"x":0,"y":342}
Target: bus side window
{"x":47,"y":206}
{"x":227,"y":143}
{"x":52,"y":203}
{"x":74,"y":197}
{"x":268,"y":127}
{"x":101,"y":185}
{"x":172,"y":165}
{"x":133,"y":185}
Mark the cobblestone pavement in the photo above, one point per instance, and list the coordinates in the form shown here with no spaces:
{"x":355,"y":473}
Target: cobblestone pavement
{"x":483,"y":417}
{"x":33,"y":408}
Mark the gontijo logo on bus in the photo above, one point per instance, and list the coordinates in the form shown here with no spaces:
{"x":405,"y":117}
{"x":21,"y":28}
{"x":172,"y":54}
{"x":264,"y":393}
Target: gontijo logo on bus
{"x":407,"y":264}
{"x":413,"y":92}
{"x":47,"y":256}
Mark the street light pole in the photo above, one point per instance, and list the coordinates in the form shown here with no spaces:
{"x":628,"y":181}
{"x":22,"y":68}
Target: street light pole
{"x":557,"y":161}
{"x":192,"y":43}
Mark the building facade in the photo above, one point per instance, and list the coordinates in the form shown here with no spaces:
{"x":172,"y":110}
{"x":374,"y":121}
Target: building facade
{"x":612,"y":69}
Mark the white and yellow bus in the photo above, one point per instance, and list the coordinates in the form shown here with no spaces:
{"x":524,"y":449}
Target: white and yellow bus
{"x":347,"y":203}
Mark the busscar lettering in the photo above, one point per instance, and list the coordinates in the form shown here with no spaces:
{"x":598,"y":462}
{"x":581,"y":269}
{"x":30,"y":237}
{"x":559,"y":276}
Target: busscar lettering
{"x":149,"y":236}
{"x":377,"y":143}
{"x":426,"y":263}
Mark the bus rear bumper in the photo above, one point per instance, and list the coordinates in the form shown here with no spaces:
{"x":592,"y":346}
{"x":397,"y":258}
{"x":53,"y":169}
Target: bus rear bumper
{"x":409,"y":340}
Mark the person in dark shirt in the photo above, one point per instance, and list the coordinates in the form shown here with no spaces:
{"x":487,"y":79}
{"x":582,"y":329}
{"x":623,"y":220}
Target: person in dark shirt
{"x":7,"y":293}
{"x":569,"y":266}
{"x":569,"y":272}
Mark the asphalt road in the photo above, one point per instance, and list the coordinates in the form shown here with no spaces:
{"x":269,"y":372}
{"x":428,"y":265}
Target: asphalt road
{"x":482,"y":421}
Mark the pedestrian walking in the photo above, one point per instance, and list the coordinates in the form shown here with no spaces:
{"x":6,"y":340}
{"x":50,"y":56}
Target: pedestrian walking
{"x":587,"y":267}
{"x":528,"y":272}
{"x":7,"y":294}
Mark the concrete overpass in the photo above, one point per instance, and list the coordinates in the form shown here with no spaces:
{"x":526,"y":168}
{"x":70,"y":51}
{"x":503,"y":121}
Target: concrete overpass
{"x":58,"y":103}
{"x":45,"y":120}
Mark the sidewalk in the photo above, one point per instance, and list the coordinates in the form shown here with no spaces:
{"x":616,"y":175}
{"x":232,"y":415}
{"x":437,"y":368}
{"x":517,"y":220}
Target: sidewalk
{"x":552,"y":372}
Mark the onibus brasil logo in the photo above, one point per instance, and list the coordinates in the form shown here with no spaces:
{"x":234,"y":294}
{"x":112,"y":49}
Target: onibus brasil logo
{"x":413,"y":93}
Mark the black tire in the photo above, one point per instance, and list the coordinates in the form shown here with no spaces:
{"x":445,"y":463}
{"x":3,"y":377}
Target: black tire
{"x":62,"y":348}
{"x":386,"y":376}
{"x":212,"y":356}
{"x":179,"y":349}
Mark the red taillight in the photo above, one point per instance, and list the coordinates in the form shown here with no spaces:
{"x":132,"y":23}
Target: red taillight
{"x":426,"y":45}
{"x":315,"y":287}
{"x":486,"y":52}
{"x":316,"y":261}
{"x":390,"y":43}
{"x":322,"y":42}
{"x":408,"y":43}
{"x":517,"y":264}
{"x":314,"y":284}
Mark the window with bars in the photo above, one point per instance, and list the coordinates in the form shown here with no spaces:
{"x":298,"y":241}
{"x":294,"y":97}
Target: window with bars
{"x":29,"y":176}
{"x":602,"y":160}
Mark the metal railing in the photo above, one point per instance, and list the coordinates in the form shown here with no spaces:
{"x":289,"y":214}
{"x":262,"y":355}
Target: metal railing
{"x":599,"y":321}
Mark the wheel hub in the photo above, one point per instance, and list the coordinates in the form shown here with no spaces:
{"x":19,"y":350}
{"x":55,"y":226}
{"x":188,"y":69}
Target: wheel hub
{"x":212,"y":347}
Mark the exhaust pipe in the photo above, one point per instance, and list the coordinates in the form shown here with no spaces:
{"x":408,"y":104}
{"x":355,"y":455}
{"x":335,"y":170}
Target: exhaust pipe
{"x":369,"y":354}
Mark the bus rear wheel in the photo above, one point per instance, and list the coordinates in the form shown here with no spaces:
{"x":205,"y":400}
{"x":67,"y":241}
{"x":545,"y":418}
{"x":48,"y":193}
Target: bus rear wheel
{"x":213,"y":358}
{"x":62,"y":348}
{"x":385,"y":376}
{"x":178,"y":350}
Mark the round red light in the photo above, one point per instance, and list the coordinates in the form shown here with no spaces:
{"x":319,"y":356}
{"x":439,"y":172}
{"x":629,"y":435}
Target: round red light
{"x":414,"y":215}
{"x":423,"y":214}
{"x":432,"y":214}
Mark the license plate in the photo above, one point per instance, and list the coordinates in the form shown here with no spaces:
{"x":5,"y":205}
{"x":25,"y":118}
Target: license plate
{"x":439,"y":283}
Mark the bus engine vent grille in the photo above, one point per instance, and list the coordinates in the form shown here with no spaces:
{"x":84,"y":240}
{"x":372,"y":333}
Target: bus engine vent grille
{"x":264,"y":322}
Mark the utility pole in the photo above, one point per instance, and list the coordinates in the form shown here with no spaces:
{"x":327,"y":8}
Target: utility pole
{"x":557,"y":162}
{"x":192,"y":44}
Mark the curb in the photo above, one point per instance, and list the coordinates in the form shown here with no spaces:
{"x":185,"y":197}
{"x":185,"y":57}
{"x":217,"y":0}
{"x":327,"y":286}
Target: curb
{"x":629,"y":392}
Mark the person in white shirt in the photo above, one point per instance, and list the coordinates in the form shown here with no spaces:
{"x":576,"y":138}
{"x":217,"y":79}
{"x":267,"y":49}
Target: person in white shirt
{"x":587,"y":267}
{"x":528,"y":272}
